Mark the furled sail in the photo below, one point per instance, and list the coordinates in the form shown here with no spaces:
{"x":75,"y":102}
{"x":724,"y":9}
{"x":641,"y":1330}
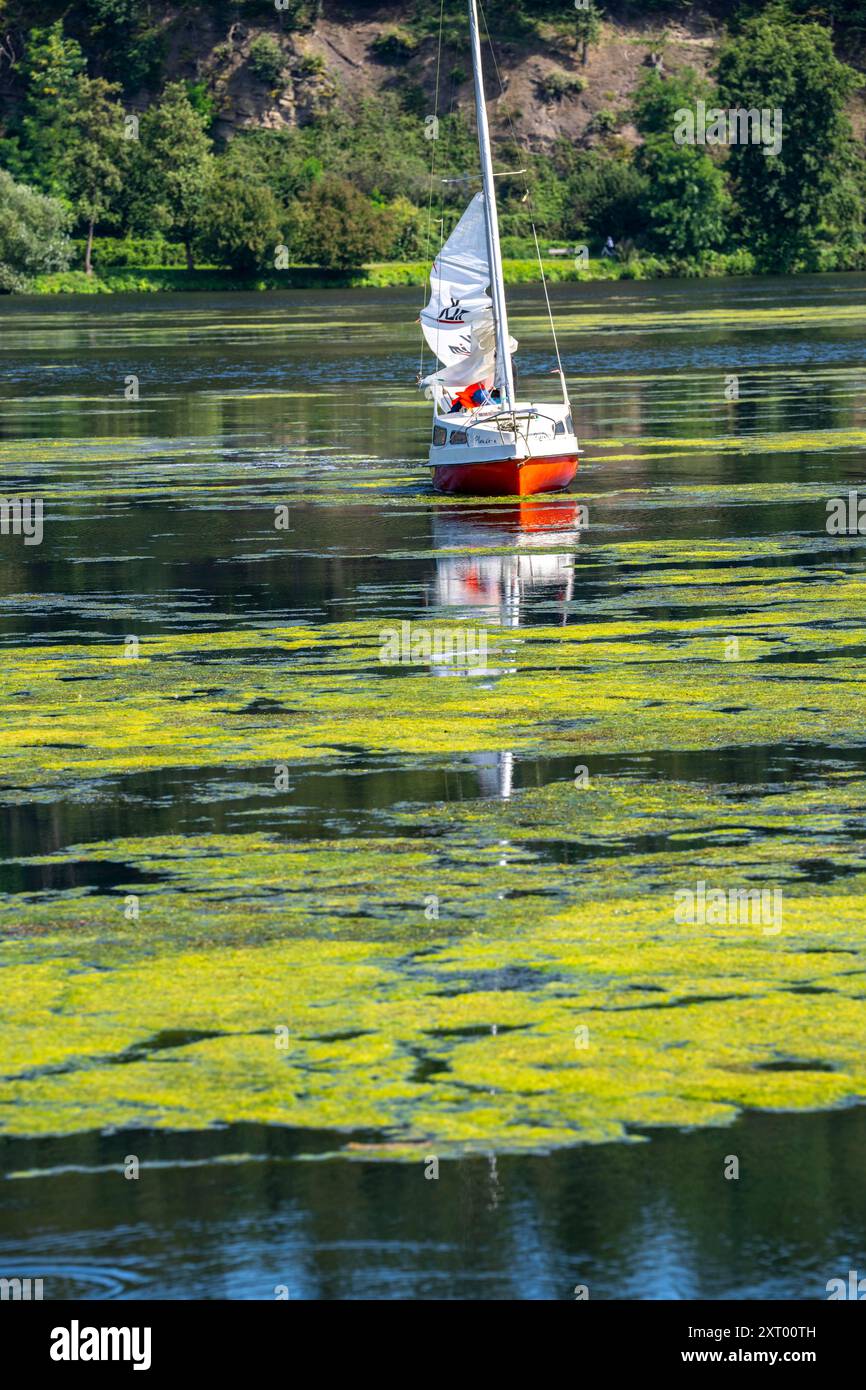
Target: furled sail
{"x":459,"y":280}
{"x":458,"y":321}
{"x":478,"y":363}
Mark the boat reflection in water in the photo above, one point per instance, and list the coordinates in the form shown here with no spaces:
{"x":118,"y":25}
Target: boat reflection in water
{"x":522,"y":562}
{"x":521,"y":570}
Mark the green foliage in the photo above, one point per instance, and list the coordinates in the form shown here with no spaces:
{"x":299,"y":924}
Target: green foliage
{"x":788,"y":202}
{"x":605,"y":122}
{"x":130,"y":46}
{"x":658,"y":99}
{"x":279,"y":158}
{"x":240,"y":224}
{"x":111,"y":252}
{"x":409,"y":238}
{"x":311,"y":65}
{"x":800,"y":209}
{"x":96,"y":153}
{"x":119,"y":13}
{"x":606,"y":197}
{"x":685,"y":201}
{"x":267,"y":60}
{"x":686,"y":204}
{"x":173,"y":169}
{"x":202,"y":101}
{"x":33,"y":234}
{"x":38,"y":151}
{"x":587,"y":27}
{"x":373,"y":144}
{"x":556,"y":85}
{"x":336,"y":226}
{"x":394,"y":45}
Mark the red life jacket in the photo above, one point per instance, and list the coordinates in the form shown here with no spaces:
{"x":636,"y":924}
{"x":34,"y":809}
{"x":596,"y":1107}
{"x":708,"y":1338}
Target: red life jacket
{"x":465,"y":396}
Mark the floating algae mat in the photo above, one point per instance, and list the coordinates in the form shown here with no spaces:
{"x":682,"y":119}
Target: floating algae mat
{"x":266,"y":695}
{"x":504,"y":973}
{"x":550,"y":995}
{"x":505,"y":964}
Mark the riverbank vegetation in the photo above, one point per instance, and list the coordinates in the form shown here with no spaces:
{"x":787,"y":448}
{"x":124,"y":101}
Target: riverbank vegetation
{"x":119,"y":175}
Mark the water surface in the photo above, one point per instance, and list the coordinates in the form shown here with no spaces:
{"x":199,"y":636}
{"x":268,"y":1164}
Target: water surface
{"x":287,"y":923}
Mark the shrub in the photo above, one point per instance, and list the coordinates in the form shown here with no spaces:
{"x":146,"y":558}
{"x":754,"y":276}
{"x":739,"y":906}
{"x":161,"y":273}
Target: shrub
{"x":605,"y":122}
{"x":266,"y":59}
{"x":606,"y":197}
{"x":553,"y":86}
{"x":337,"y":227}
{"x":140,"y":252}
{"x":33,"y":234}
{"x":394,"y":45}
{"x":241,"y":223}
{"x":311,"y":65}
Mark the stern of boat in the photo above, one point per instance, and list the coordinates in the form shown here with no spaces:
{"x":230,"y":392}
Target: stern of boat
{"x":494,"y":451}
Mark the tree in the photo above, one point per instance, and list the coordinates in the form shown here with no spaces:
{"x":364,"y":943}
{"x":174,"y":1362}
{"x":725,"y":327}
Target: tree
{"x":242,"y":223}
{"x":787,"y":201}
{"x":685,"y":201}
{"x":131,"y":46}
{"x":266,"y":59}
{"x":408,"y":242}
{"x":336,"y":226}
{"x":658,"y":99}
{"x":588,"y":26}
{"x":606,"y":196}
{"x":33,"y":234}
{"x":51,"y":67}
{"x":95,"y":155}
{"x":174,"y":169}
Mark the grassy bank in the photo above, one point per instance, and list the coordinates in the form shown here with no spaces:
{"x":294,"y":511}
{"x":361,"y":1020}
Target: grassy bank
{"x":150,"y":279}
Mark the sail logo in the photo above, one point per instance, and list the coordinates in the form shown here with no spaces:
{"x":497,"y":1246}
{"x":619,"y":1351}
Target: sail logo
{"x":462,"y":647}
{"x":736,"y":126}
{"x":22,"y":516}
{"x":454,"y":313}
{"x":734,"y":907}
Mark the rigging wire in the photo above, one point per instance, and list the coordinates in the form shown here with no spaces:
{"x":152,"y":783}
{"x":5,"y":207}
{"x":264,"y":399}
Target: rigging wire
{"x":434,"y":141}
{"x":528,"y":197}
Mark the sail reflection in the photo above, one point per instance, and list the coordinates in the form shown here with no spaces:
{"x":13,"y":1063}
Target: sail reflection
{"x":521,"y":566}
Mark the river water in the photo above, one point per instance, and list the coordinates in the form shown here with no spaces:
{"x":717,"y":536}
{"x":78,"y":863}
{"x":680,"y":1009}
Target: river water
{"x":333,"y":973}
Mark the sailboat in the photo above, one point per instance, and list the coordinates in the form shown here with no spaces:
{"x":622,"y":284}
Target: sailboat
{"x":485,"y":441}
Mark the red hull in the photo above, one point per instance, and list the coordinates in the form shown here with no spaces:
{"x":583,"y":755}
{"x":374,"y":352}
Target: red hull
{"x":506,"y":477}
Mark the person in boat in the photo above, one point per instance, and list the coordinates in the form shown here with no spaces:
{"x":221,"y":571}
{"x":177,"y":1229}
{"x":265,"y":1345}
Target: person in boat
{"x":472,"y":396}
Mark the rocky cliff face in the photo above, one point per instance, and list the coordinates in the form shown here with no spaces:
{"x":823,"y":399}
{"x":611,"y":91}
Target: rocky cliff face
{"x":549,"y":90}
{"x":348,"y":50}
{"x":333,"y":51}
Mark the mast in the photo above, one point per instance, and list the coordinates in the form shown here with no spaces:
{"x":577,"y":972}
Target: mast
{"x":504,"y":378}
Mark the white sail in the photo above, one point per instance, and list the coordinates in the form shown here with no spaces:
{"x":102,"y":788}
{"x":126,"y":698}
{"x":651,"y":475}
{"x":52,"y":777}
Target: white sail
{"x":459,"y":281}
{"x":478,"y":362}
